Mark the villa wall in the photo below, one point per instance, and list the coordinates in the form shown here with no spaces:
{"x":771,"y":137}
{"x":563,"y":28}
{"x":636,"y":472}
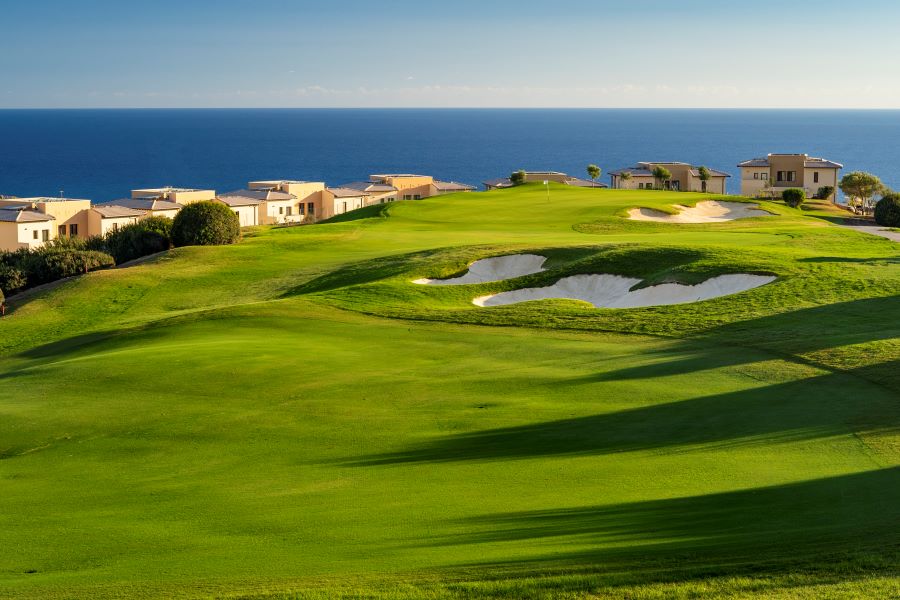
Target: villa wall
{"x":97,"y":225}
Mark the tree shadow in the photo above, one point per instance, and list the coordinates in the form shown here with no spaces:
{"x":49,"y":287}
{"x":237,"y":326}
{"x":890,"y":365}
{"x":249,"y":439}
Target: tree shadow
{"x":781,"y":523}
{"x":788,"y":412}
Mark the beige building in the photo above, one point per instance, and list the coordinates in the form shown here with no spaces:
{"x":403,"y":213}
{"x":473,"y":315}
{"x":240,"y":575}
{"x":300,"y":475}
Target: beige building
{"x":249,"y":210}
{"x":70,"y":214}
{"x":303,"y":202}
{"x":338,"y":201}
{"x":104,"y":218}
{"x":773,"y":174}
{"x":175,"y":195}
{"x":685,"y":178}
{"x":23,"y":227}
{"x":542,"y":176}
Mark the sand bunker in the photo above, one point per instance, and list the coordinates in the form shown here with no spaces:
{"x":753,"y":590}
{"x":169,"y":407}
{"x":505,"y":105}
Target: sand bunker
{"x":612,"y":291}
{"x":497,"y":268}
{"x":709,"y":211}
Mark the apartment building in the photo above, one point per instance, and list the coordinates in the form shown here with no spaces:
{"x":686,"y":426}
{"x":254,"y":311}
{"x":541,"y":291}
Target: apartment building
{"x":771,"y":175}
{"x":106,"y":218}
{"x":685,"y":178}
{"x":23,"y":227}
{"x":175,"y":195}
{"x":303,"y":200}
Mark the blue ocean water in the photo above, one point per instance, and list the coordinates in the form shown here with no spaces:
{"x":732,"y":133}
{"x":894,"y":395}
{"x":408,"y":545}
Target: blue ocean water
{"x":102,"y":154}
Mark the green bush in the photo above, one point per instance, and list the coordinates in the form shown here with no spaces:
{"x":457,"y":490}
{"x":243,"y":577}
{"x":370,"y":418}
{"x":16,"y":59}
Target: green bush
{"x":887,"y":211}
{"x":12,"y":279}
{"x":143,"y":238}
{"x":793,"y":197}
{"x":824,"y":192}
{"x":205,"y":224}
{"x":518,"y":177}
{"x":49,"y":264}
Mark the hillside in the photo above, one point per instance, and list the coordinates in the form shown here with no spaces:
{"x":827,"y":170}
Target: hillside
{"x":292,"y":417}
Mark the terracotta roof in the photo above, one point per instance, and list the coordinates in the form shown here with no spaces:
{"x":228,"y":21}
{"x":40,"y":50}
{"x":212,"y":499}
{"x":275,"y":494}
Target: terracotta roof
{"x":16,"y":215}
{"x":114,"y":211}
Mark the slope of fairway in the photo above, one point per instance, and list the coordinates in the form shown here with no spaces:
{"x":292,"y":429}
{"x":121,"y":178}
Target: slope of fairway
{"x":293,"y":417}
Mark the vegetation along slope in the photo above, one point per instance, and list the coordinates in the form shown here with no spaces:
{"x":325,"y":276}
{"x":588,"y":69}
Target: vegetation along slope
{"x":291,"y":417}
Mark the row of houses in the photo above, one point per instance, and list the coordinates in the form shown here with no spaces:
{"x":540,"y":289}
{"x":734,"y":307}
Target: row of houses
{"x":760,"y":177}
{"x":32,"y":222}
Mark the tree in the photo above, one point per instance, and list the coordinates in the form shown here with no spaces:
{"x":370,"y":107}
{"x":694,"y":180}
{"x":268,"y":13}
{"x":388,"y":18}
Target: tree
{"x":205,"y":224}
{"x":887,"y":210}
{"x":705,"y":176}
{"x":824,"y":192}
{"x":860,"y":187}
{"x":518,"y":177}
{"x":593,"y":172}
{"x":662,"y":176}
{"x":624,"y":177}
{"x":793,"y":197}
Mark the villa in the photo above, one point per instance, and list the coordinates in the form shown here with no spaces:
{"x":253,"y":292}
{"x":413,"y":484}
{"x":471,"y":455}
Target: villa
{"x":503,"y":183}
{"x":776,"y":172}
{"x":685,"y":178}
{"x":105,"y":218}
{"x":337,"y":201}
{"x":148,"y":207}
{"x":290,"y":201}
{"x":23,"y":227}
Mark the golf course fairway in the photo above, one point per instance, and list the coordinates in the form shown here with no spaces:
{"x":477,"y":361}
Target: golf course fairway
{"x":293,"y":417}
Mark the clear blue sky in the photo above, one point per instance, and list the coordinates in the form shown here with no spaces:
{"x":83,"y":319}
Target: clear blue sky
{"x":459,"y":53}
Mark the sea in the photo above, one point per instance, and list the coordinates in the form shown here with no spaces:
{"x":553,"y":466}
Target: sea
{"x":102,"y":154}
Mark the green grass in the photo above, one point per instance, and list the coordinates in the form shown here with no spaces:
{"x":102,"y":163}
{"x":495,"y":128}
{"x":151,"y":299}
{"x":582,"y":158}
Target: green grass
{"x":291,"y":418}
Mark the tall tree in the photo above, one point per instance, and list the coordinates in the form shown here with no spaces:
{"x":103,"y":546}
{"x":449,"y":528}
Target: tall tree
{"x":593,"y":172}
{"x":705,"y":176}
{"x":860,"y":188}
{"x":661,"y":175}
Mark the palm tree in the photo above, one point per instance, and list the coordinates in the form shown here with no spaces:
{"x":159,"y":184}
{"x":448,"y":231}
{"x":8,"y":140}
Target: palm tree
{"x":624,"y":177}
{"x":705,"y":176}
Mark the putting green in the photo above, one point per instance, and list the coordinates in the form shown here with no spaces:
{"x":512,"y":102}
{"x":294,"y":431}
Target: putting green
{"x":291,"y":417}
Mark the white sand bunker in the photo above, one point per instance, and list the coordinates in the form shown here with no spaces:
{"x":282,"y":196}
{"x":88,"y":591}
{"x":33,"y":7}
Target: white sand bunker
{"x":709,"y":211}
{"x":497,"y":268}
{"x":613,"y":291}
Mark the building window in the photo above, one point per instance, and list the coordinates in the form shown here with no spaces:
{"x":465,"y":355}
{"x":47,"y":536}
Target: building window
{"x":45,"y":235}
{"x":287,"y":211}
{"x":417,"y":197}
{"x":310,"y":209}
{"x":345,"y":207}
{"x":764,"y":176}
{"x":280,"y":210}
{"x":35,"y":234}
{"x":407,"y":197}
{"x":301,"y":208}
{"x":756,"y":176}
{"x":73,"y":230}
{"x":115,"y":227}
{"x":816,"y":177}
{"x":61,"y":231}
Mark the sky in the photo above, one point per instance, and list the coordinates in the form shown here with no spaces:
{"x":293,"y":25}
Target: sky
{"x":461,"y":53}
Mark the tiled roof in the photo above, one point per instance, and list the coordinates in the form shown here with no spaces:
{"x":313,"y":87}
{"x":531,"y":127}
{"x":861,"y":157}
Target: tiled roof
{"x":821,"y":163}
{"x":345,"y":192}
{"x":755,"y":162}
{"x":502,"y":182}
{"x":113,"y":211}
{"x":452,"y":186}
{"x":713,"y":172}
{"x":585,"y":183}
{"x":15,"y":215}
{"x":261,"y":195}
{"x":239,"y":201}
{"x":369,"y":187}
{"x":144,"y":204}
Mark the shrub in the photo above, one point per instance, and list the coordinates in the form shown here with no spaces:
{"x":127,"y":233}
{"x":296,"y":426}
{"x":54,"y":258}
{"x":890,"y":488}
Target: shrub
{"x":824,"y":192}
{"x":205,"y":224}
{"x":793,"y":197}
{"x":12,"y":279}
{"x":46,"y":265}
{"x":139,"y":239}
{"x":887,"y":211}
{"x":518,"y":177}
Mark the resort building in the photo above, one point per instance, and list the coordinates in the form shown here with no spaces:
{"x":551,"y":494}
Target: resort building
{"x":248,"y":208}
{"x":289,"y":201}
{"x":180,"y":196}
{"x":450,"y":187}
{"x":771,"y":175}
{"x":69,"y":214}
{"x":23,"y":227}
{"x":685,"y":178}
{"x":105,"y":218}
{"x":337,"y":201}
{"x":376,"y":192}
{"x":540,"y":177}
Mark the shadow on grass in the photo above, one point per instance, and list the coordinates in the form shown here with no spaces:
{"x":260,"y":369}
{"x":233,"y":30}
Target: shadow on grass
{"x":798,"y":410}
{"x":768,"y":525}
